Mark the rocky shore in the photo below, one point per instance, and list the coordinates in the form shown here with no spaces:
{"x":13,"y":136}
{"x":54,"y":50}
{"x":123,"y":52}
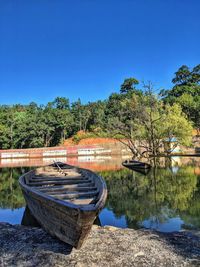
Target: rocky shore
{"x":106,"y":246}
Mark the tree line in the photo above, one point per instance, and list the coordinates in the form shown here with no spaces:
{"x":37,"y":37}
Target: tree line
{"x":136,"y":112}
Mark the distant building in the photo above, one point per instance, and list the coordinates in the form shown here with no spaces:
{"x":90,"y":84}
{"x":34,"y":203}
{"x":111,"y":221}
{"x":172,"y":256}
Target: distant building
{"x":171,"y":145}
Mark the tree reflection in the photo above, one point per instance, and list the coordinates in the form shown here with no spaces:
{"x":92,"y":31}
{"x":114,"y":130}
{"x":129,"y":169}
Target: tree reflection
{"x":191,"y":217}
{"x":10,"y":193}
{"x":162,"y":194}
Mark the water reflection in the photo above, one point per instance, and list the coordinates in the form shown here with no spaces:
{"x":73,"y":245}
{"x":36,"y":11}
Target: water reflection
{"x":10,"y":193}
{"x":166,"y":199}
{"x":96,"y":163}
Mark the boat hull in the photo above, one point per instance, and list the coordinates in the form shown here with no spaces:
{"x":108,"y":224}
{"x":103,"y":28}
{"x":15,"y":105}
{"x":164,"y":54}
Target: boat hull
{"x":69,"y":225}
{"x":68,"y":222}
{"x":136,"y":165}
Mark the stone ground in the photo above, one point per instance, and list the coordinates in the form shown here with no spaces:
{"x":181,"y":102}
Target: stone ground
{"x":106,"y":246}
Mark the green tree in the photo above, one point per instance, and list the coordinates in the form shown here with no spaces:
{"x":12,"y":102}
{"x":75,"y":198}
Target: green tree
{"x":146,"y":123}
{"x":129,"y":85}
{"x":186,"y":92}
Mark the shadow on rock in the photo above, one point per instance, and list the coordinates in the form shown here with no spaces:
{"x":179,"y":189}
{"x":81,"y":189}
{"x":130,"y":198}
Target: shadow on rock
{"x":21,"y":239}
{"x":186,"y":244}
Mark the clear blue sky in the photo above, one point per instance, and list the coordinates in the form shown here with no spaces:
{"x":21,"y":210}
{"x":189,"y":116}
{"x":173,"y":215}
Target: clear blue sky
{"x":86,"y":48}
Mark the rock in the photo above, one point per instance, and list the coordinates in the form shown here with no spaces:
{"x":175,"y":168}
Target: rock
{"x":139,"y":254}
{"x":106,"y":246}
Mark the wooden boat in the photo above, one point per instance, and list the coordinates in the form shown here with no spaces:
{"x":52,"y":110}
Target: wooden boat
{"x":141,"y":170}
{"x":65,"y":200}
{"x":137,"y":165}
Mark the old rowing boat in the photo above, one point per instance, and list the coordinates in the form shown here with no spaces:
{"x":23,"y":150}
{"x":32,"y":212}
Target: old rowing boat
{"x":134,"y":164}
{"x":65,"y":200}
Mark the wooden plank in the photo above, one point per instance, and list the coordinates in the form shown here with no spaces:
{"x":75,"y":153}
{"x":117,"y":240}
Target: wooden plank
{"x":63,"y":187}
{"x":59,"y":182}
{"x":57,"y":165}
{"x":58,"y":175}
{"x":67,"y":168}
{"x":75,"y":189}
{"x":59,"y":168}
{"x":53,"y":172}
{"x":56,"y":179}
{"x":83,"y":201}
{"x":72,"y":195}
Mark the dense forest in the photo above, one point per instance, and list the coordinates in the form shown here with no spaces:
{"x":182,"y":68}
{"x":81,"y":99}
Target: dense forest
{"x":136,"y":112}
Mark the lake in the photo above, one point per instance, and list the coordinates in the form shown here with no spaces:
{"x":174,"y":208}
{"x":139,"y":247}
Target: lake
{"x":166,"y":199}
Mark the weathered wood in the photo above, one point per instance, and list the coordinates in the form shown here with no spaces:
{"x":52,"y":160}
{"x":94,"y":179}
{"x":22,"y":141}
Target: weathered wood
{"x":51,"y":179}
{"x":70,"y":181}
{"x":73,"y":195}
{"x":28,"y":219}
{"x":64,"y":203}
{"x":63,"y":187}
{"x":52,"y":174}
{"x":59,"y":168}
{"x":75,"y":189}
{"x":58,"y":176}
{"x":83,"y":201}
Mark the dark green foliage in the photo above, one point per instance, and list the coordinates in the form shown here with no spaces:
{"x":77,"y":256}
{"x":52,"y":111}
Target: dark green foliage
{"x":129,"y":85}
{"x":35,"y":126}
{"x":186,"y":77}
{"x":186,"y":92}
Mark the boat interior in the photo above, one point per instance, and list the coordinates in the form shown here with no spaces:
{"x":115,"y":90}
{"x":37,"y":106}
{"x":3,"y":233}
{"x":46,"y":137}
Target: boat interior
{"x":66,"y":183}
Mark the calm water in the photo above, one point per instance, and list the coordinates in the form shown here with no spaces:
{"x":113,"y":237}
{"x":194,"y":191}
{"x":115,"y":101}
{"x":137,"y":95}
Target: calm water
{"x":167,"y":199}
